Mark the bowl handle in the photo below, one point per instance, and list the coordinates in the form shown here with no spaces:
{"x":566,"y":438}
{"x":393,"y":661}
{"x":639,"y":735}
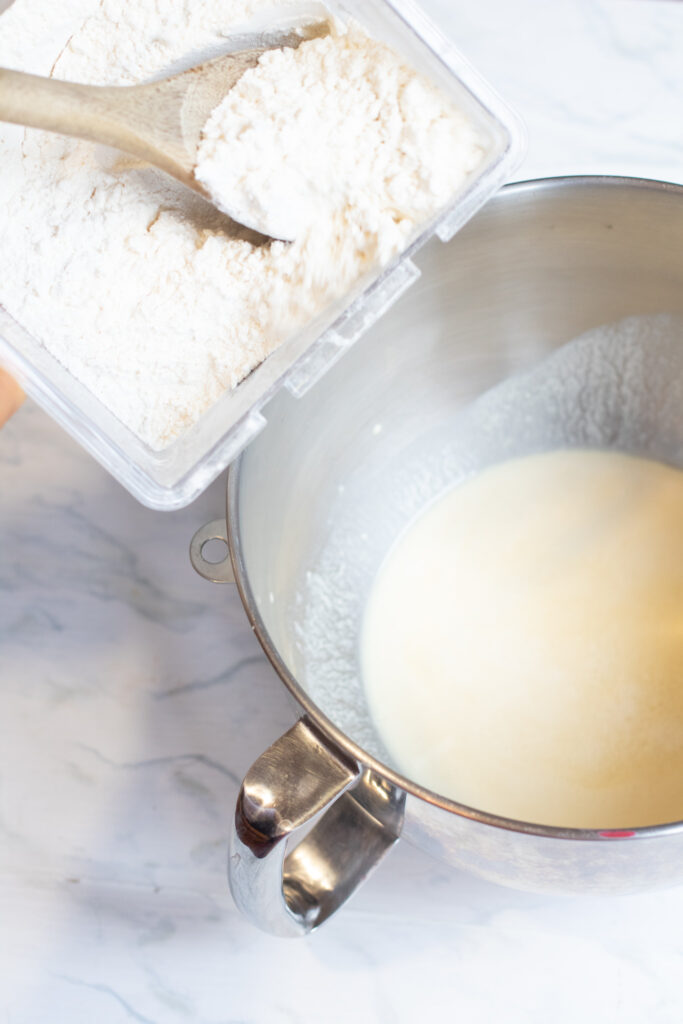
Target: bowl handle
{"x":358,"y":817}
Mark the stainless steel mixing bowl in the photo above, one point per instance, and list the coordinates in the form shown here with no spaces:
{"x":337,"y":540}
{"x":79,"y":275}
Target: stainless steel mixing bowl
{"x":318,"y":498}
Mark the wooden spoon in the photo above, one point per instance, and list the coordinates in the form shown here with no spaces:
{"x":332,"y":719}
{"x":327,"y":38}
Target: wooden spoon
{"x":161,"y":121}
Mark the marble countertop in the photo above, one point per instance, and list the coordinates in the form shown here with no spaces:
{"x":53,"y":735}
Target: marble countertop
{"x":133,"y":696}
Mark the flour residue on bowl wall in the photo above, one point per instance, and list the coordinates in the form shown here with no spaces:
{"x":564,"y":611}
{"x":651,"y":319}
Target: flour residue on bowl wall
{"x":618,"y":387}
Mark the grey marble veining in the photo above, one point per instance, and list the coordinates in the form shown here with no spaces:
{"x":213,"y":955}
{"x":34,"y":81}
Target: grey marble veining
{"x":133,"y":696}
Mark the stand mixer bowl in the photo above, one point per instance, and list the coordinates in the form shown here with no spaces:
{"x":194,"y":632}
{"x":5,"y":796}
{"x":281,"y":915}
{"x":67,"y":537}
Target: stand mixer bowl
{"x":318,"y":498}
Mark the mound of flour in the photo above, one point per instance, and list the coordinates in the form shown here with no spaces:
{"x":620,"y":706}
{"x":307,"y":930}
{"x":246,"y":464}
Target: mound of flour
{"x":130,"y":281}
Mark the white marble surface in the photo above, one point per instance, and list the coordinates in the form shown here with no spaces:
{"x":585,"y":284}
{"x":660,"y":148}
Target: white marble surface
{"x":133,"y":697}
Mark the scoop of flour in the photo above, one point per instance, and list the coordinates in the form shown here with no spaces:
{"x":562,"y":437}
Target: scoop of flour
{"x":296,"y":138}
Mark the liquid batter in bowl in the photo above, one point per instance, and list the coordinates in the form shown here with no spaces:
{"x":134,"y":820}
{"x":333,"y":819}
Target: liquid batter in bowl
{"x":522,"y":646}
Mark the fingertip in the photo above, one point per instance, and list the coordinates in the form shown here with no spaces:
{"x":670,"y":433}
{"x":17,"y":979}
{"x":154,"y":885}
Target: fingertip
{"x":11,"y":396}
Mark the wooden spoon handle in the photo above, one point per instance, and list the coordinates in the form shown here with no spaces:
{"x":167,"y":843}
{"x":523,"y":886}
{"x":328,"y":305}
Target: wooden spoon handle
{"x":132,"y":118}
{"x":50,"y":104}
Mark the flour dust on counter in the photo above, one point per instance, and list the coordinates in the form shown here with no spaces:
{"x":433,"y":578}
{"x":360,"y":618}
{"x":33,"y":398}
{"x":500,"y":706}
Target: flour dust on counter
{"x":130,"y":280}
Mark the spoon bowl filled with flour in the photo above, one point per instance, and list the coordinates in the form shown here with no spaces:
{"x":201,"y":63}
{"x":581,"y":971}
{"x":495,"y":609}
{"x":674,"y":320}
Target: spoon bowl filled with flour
{"x":153,"y":333}
{"x":162,"y":123}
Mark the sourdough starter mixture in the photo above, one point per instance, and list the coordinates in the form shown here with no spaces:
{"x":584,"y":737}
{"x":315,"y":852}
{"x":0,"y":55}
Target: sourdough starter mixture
{"x":129,"y":280}
{"x":523,"y":643}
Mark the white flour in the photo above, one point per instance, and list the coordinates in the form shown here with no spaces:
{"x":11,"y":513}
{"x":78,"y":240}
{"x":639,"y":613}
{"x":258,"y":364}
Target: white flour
{"x":128,"y":279}
{"x":339,"y":129}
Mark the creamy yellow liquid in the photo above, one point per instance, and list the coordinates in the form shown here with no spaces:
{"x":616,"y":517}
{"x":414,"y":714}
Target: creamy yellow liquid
{"x":522,"y":647}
